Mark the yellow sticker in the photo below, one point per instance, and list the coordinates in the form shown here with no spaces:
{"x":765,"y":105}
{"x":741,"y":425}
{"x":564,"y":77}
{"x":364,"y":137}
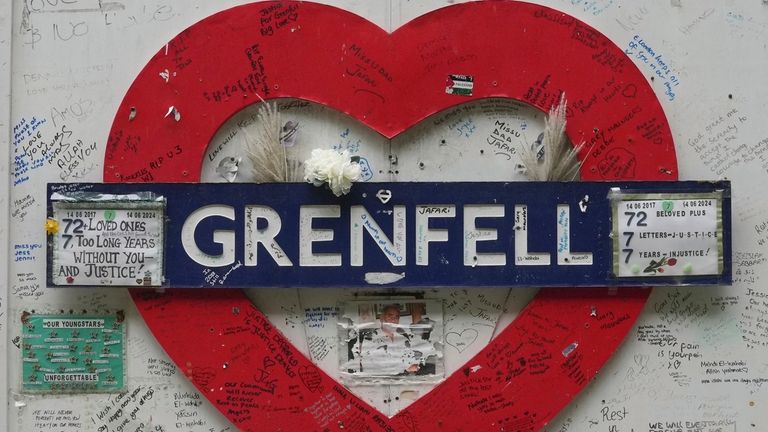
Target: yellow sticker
{"x":51,"y":226}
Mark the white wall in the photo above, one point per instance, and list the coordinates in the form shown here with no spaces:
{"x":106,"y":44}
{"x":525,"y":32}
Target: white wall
{"x":73,"y":62}
{"x":5,"y":121}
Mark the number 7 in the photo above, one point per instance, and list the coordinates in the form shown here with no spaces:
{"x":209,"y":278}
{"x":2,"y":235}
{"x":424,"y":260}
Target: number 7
{"x":629,"y":237}
{"x":631,"y":216}
{"x":629,"y":254}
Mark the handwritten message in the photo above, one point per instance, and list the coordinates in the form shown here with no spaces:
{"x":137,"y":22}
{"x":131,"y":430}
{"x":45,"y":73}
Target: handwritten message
{"x":60,"y":420}
{"x":642,"y":51}
{"x":108,"y":243}
{"x":21,"y":207}
{"x":668,"y":236}
{"x":126,"y":412}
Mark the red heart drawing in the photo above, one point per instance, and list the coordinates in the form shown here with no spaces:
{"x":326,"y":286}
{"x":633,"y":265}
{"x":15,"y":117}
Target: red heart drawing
{"x":618,"y":164}
{"x":390,"y":82}
{"x":311,"y":378}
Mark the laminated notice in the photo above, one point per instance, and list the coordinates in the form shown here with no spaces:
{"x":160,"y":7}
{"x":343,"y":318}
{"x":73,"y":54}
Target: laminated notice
{"x":675,"y":234}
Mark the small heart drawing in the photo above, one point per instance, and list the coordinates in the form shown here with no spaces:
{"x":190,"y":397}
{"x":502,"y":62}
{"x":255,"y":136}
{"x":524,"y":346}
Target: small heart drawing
{"x":268,"y":363}
{"x":311,"y":378}
{"x":618,"y":164}
{"x":463,"y":340}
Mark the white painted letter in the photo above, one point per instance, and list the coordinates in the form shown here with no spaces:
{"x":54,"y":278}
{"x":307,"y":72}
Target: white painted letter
{"x":225,"y":238}
{"x":564,"y":254}
{"x":307,"y":236}
{"x":424,"y":235}
{"x":359,"y":218}
{"x":472,"y":235}
{"x":266,"y":236}
{"x":522,"y":256}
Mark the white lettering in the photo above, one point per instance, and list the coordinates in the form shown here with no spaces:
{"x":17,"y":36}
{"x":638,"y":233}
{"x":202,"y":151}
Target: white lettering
{"x":266,"y":236}
{"x":308,"y":235}
{"x":472,"y":235}
{"x":360,"y":218}
{"x":225,"y":238}
{"x":522,"y":256}
{"x":425,"y":235}
{"x":564,"y":254}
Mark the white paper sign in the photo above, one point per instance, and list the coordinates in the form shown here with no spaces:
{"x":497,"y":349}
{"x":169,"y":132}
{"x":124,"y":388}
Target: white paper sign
{"x":101,"y":243}
{"x":667,"y":235}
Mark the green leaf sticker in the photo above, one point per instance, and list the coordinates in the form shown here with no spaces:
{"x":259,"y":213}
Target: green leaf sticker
{"x":667,"y":205}
{"x":109,"y":215}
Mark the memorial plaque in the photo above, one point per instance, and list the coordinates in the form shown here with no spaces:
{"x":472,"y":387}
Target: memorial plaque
{"x":668,"y":234}
{"x":72,"y":353}
{"x":107,"y":240}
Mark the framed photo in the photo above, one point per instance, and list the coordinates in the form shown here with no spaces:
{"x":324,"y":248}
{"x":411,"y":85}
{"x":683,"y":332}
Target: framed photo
{"x":398,"y":340}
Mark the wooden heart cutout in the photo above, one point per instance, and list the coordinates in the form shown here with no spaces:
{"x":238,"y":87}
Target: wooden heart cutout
{"x":228,"y":348}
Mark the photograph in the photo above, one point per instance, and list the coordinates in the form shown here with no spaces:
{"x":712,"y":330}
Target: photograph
{"x":391,"y":340}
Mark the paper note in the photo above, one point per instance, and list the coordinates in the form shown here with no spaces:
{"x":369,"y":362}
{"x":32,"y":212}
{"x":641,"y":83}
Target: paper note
{"x":668,"y":235}
{"x":107,"y":243}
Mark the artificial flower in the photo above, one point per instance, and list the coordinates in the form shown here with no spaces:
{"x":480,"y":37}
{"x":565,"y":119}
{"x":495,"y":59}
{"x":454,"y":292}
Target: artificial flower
{"x":51,"y":226}
{"x":335,"y":169}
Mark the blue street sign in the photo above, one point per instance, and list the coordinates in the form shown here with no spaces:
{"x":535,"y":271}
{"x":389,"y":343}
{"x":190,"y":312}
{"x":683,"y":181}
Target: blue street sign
{"x":390,"y":234}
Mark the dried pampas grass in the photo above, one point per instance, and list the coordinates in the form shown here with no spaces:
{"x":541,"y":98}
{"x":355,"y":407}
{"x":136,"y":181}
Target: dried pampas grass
{"x":555,"y":159}
{"x":264,"y":148}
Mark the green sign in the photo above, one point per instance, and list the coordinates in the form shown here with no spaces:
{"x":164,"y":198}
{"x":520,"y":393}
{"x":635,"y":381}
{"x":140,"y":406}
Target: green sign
{"x":72,"y":353}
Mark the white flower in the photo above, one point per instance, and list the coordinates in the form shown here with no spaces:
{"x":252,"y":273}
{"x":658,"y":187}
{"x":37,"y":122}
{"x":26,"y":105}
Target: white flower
{"x":331,"y":167}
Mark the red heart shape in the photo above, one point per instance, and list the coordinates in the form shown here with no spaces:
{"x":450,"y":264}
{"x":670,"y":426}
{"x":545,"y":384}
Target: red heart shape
{"x":389,"y":82}
{"x":311,"y":378}
{"x":618,"y":164}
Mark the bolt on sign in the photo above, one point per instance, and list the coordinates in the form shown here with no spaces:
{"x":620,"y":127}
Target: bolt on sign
{"x":391,"y":234}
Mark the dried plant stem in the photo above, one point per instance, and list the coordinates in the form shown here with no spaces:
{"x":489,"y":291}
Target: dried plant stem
{"x":560,"y":161}
{"x":264,"y":147}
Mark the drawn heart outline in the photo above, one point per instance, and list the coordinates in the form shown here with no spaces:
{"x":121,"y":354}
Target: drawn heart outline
{"x":326,"y":44}
{"x":463,"y":340}
{"x":311,"y":378}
